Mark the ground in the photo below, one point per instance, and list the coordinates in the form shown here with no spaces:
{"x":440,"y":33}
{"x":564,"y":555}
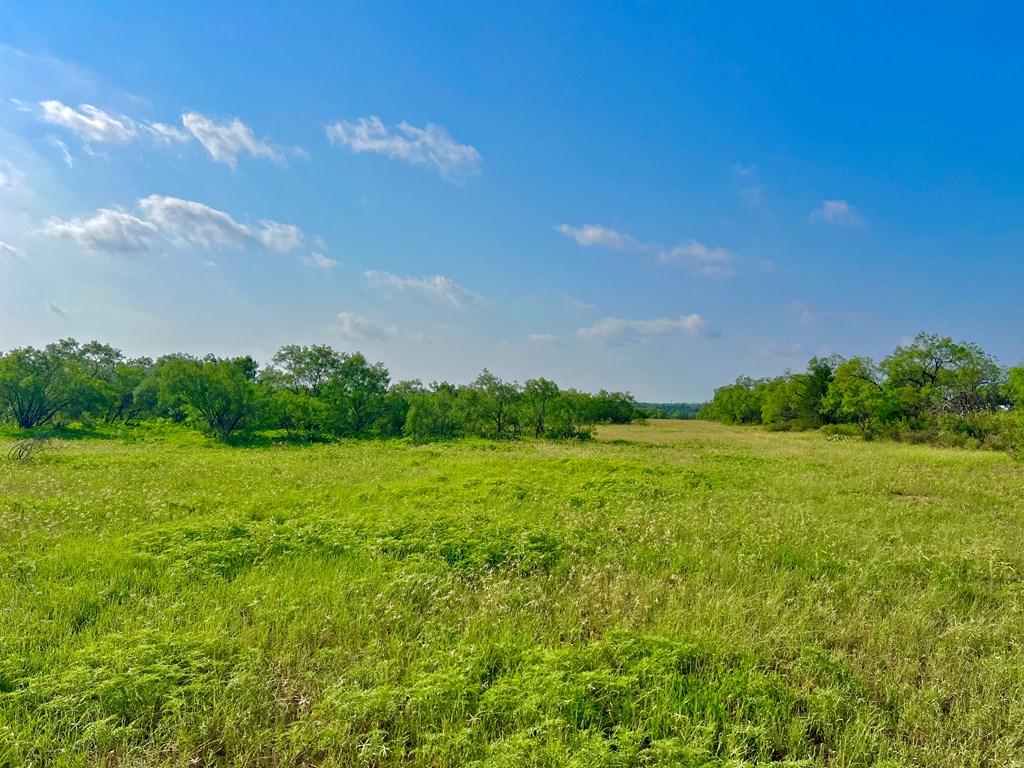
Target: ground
{"x":674,"y":594}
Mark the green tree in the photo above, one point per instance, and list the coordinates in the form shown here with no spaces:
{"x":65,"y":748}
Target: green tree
{"x":112,"y":389}
{"x":539,"y":398}
{"x":935,"y":374}
{"x":858,"y":395}
{"x":38,"y":385}
{"x":572,"y":415}
{"x":434,"y":414}
{"x":739,"y":403}
{"x":1015,"y":386}
{"x":494,"y":402}
{"x":304,"y":370}
{"x":222,"y":394}
{"x":614,"y":407}
{"x":397,"y":404}
{"x":780,"y":402}
{"x":356,"y":394}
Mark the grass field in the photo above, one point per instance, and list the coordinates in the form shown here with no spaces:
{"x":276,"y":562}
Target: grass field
{"x":675,"y":594}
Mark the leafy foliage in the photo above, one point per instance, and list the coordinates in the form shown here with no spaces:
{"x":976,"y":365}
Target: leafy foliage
{"x":308,"y":393}
{"x":931,"y":389}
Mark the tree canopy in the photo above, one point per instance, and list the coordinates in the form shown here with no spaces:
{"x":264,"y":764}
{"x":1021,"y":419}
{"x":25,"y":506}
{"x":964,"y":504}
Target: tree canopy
{"x":306,"y":392}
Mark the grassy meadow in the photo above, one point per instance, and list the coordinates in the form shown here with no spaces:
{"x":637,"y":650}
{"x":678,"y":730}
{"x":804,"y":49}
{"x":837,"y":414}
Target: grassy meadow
{"x":671,"y":594}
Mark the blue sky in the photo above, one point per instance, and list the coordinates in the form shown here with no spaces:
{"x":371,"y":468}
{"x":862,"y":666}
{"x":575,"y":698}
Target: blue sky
{"x":645,"y":196}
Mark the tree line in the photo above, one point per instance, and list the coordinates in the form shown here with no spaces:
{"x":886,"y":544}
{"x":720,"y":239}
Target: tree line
{"x":933,"y":389}
{"x":303,"y":392}
{"x":684,"y":411}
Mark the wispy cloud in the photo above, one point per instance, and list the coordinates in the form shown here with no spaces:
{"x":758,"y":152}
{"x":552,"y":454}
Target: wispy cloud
{"x":358,"y":328}
{"x":56,"y":309}
{"x":702,"y":259}
{"x":317,"y":259}
{"x":542,"y":338}
{"x":594,"y":234}
{"x":89,"y":122}
{"x":167,"y":134}
{"x":60,"y":146}
{"x":431,"y":146}
{"x":8,"y":251}
{"x":437,"y":287}
{"x":615,"y":329}
{"x":577,"y":305}
{"x":172,"y":221}
{"x":10,"y":176}
{"x":226,"y":141}
{"x":744,"y":170}
{"x":836,"y":212}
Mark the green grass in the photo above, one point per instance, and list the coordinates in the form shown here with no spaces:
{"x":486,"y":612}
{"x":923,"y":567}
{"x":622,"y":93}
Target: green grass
{"x":676,"y":594}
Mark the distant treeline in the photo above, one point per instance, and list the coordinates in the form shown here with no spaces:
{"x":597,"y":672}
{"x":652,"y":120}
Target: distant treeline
{"x":670,"y":410}
{"x":304,"y":392}
{"x":931,"y":390}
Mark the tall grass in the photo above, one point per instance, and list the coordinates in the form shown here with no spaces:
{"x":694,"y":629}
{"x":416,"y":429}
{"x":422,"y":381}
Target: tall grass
{"x":680,"y":593}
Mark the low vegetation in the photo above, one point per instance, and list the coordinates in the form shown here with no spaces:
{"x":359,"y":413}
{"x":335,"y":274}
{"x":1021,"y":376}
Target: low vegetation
{"x":673,"y":594}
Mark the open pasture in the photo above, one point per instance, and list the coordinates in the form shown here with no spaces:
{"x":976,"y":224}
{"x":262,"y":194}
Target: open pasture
{"x":673,"y":594}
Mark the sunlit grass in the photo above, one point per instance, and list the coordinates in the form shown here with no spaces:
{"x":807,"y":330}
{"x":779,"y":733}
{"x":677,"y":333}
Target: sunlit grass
{"x":679,"y":593}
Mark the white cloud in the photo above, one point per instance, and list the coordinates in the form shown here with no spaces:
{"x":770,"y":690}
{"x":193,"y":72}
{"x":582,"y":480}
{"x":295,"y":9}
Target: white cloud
{"x":700,"y":258}
{"x":617,"y":329}
{"x":594,"y":234}
{"x":704,"y":260}
{"x":175,"y":221}
{"x":192,"y":222}
{"x":358,"y":328}
{"x":223,"y":141}
{"x":543,"y":338}
{"x":8,"y":251}
{"x":744,"y":170}
{"x":167,"y":134}
{"x":89,"y":122}
{"x":56,"y":309}
{"x":436,"y":287}
{"x":429,"y":146}
{"x":280,"y":238}
{"x":226,"y":141}
{"x":317,"y":259}
{"x":111,"y":231}
{"x":196,"y":223}
{"x":58,"y":144}
{"x":836,"y":212}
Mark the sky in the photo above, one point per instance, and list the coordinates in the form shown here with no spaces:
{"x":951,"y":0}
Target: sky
{"x":645,"y":196}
